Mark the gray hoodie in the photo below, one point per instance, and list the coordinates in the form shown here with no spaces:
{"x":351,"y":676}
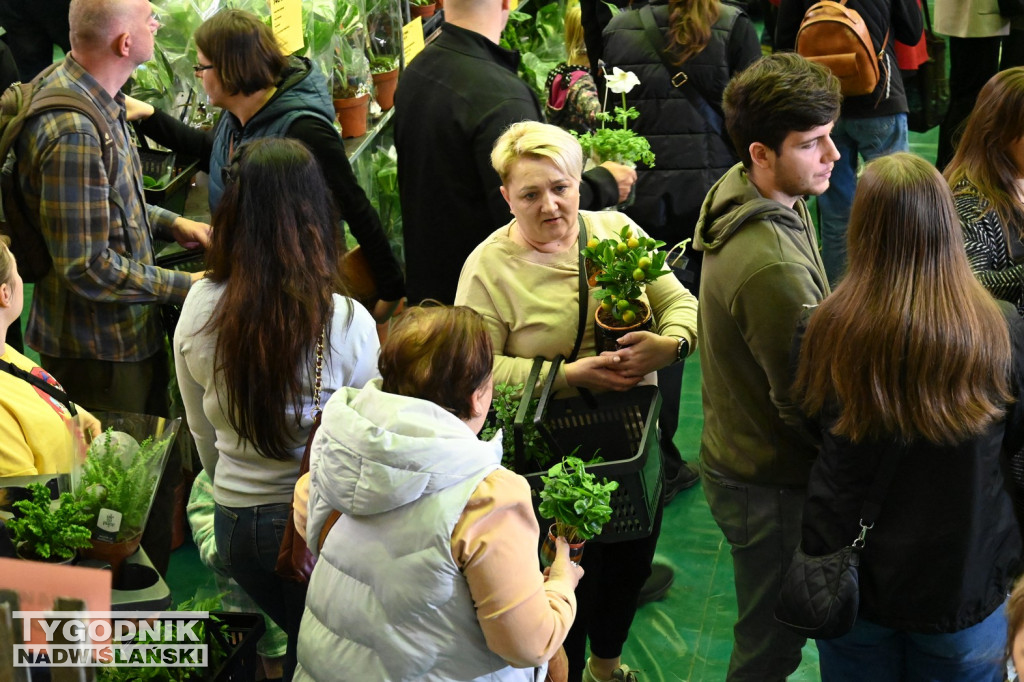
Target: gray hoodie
{"x":761,"y":268}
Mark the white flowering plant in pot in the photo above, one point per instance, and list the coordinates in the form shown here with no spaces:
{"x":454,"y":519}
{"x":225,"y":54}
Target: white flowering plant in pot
{"x":618,"y":143}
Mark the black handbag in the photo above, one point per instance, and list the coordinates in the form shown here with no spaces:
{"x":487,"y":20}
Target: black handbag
{"x":820,"y":595}
{"x":927,"y":89}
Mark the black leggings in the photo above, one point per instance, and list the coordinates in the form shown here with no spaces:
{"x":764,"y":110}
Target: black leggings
{"x":606,"y":596}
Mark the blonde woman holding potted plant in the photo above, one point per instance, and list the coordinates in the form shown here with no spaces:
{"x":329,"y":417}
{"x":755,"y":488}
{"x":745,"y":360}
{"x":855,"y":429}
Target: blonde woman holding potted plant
{"x":525,"y":280}
{"x":431,"y":570}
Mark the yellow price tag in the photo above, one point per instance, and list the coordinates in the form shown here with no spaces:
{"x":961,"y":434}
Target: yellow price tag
{"x":286,"y":22}
{"x":412,"y":38}
{"x":513,"y":5}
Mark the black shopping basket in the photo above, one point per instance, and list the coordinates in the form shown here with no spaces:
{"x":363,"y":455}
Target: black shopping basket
{"x":619,"y":427}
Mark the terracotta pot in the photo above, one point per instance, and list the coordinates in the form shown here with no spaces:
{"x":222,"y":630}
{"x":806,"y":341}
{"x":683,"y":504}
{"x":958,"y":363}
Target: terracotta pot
{"x":385,"y":85}
{"x":352,"y":114}
{"x":422,"y":10}
{"x":606,"y":333}
{"x":113,"y":553}
{"x":547,"y":549}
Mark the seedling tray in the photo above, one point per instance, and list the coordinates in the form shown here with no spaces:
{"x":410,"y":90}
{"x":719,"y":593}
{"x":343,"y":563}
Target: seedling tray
{"x":619,"y":427}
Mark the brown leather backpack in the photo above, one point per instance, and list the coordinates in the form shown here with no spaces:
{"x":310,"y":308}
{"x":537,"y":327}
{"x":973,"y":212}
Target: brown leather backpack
{"x":836,"y":37}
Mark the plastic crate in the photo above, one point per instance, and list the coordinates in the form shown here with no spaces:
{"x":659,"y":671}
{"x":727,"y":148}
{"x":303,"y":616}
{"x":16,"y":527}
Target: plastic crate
{"x":156,"y":163}
{"x":239,"y":638}
{"x":619,"y":427}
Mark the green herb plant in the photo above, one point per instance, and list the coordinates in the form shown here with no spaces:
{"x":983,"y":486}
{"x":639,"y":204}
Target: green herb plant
{"x":46,"y":533}
{"x":108,"y":482}
{"x":623,"y":267}
{"x":619,"y":144}
{"x":351,"y":70}
{"x":505,"y":405}
{"x":538,"y":34}
{"x":574,"y":499}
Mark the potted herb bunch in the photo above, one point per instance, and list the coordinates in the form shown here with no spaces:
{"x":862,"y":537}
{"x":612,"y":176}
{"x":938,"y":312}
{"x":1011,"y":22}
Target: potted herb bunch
{"x":43,"y":531}
{"x":351,"y":73}
{"x":622,"y":268}
{"x":619,"y":143}
{"x":117,"y":484}
{"x":578,"y":504}
{"x":422,"y":8}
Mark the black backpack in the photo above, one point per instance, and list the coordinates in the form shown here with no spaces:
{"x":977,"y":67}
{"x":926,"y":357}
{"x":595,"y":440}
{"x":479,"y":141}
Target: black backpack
{"x":20,"y":102}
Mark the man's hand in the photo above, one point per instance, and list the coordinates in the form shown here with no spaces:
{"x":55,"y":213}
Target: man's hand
{"x":190,"y":234}
{"x":625,"y":177}
{"x":137,"y":110}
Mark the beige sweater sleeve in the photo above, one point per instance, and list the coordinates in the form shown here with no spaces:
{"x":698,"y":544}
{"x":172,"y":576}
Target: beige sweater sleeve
{"x":523,"y":617}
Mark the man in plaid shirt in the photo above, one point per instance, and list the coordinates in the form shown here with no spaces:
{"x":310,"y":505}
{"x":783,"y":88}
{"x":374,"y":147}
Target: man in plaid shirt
{"x":92,"y":320}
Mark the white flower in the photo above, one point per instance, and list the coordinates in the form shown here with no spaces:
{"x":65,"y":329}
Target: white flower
{"x":621,"y":82}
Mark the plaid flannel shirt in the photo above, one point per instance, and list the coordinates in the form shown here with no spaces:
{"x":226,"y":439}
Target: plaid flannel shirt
{"x":96,"y":301}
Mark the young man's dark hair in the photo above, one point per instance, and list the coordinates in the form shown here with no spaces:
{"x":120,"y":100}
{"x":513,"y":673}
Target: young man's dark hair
{"x":775,"y":95}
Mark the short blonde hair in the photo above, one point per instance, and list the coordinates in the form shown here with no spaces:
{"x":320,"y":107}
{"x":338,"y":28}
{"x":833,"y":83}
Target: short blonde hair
{"x":532,"y":138}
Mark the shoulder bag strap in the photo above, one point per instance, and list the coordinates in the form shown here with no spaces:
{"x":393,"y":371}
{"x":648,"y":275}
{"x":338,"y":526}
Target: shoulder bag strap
{"x":677,"y":75}
{"x":48,"y":388}
{"x":876,"y":493}
{"x":581,"y":242}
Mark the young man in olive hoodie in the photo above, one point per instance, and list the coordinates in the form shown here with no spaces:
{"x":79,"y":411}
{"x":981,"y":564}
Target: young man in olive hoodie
{"x":761,"y":268}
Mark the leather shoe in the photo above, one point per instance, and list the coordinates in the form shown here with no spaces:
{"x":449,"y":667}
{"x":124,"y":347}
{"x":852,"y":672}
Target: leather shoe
{"x":684,"y":479}
{"x":657,"y":584}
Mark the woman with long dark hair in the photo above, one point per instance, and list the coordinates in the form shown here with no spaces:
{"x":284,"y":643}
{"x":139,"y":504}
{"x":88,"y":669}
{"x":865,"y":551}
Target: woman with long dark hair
{"x":987,"y":177}
{"x":256,"y":336}
{"x":911,"y":360}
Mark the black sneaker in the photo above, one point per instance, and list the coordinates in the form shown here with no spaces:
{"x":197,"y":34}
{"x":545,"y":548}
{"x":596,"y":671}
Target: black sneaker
{"x":657,"y":584}
{"x":685,"y":479}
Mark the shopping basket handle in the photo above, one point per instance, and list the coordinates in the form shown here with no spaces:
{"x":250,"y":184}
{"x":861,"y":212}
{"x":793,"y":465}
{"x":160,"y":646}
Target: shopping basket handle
{"x":519,"y":451}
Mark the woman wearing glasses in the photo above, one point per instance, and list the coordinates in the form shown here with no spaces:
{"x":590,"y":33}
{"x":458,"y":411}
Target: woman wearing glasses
{"x":265,"y":93}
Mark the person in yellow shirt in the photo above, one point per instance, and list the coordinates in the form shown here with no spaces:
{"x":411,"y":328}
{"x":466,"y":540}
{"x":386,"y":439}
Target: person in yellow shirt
{"x":39,"y":426}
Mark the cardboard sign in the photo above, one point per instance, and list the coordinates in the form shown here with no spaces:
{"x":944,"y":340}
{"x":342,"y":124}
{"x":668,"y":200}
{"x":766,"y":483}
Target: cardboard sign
{"x":286,"y":22}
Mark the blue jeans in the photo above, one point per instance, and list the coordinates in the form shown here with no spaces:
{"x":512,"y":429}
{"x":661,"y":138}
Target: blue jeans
{"x":872,"y":652}
{"x":248,"y":540}
{"x":854,"y":137}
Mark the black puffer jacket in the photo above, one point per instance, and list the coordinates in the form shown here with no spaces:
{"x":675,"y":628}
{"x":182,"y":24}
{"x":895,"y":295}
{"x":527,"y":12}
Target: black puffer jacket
{"x":690,"y":155}
{"x":901,"y":18}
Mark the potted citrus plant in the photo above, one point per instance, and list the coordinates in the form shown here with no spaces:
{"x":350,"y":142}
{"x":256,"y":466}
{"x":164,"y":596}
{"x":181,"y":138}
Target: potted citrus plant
{"x":617,"y":143}
{"x":578,"y":504}
{"x":44,"y":531}
{"x":622,"y":268}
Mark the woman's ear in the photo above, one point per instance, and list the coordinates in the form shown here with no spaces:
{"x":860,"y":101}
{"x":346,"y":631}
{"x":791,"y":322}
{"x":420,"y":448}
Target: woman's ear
{"x":504,"y":194}
{"x":6,"y":295}
{"x":481,"y":401}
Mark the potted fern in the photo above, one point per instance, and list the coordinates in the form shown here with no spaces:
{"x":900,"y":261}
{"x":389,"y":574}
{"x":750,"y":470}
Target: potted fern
{"x":47,"y":531}
{"x":578,"y":504}
{"x":117,"y":483}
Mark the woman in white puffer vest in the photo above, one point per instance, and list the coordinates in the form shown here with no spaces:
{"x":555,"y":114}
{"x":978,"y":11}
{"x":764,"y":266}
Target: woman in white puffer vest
{"x":431,"y":573}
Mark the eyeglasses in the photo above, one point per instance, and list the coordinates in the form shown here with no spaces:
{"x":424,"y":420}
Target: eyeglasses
{"x":199,"y":68}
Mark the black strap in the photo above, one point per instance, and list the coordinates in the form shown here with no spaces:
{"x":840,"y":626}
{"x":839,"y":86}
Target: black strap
{"x":677,"y":76}
{"x":581,"y":242}
{"x":51,"y":390}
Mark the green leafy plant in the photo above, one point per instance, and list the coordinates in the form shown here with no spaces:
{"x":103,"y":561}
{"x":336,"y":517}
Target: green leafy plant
{"x":121,"y":475}
{"x":383,"y":193}
{"x":574,"y":499}
{"x":623,"y":267}
{"x":538,"y":34}
{"x":504,"y":407}
{"x":351,"y":70}
{"x":620,"y":144}
{"x":46,"y":532}
{"x":383,"y":63}
{"x":421,"y":3}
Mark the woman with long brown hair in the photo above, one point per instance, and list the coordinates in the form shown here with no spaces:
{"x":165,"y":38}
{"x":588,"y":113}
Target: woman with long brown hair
{"x":987,"y":177}
{"x":911,"y":362}
{"x":681,"y":115}
{"x":263,"y":340}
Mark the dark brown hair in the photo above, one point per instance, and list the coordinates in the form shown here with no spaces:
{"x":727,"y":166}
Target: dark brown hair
{"x":777,"y":95}
{"x":273,"y":248}
{"x":983,"y":153}
{"x":910,"y":345}
{"x":690,"y":23}
{"x":1014,"y":616}
{"x":242,"y":49}
{"x":440,"y":353}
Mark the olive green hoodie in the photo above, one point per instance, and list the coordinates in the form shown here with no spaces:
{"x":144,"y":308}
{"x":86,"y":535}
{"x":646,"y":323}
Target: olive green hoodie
{"x":761,"y":268}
